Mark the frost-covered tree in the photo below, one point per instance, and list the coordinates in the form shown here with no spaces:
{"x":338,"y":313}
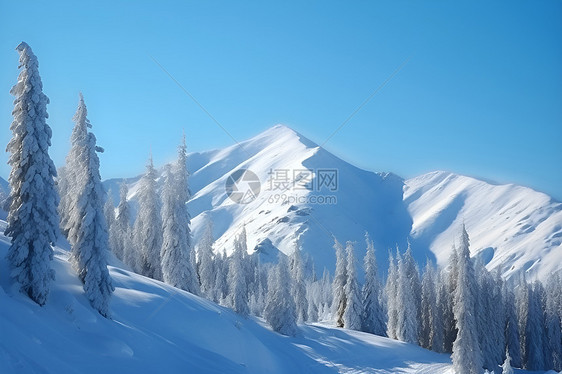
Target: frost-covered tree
{"x":220,"y":289}
{"x":237,"y":279}
{"x":442,"y":299}
{"x":466,"y":356}
{"x":408,"y":299}
{"x":553,"y":336}
{"x":148,"y":225}
{"x":391,"y":291}
{"x":177,"y":268}
{"x":280,"y":310}
{"x":373,"y":319}
{"x":298,"y":289}
{"x":428,"y":323}
{"x":206,"y":265}
{"x":534,"y":347}
{"x":354,"y":307}
{"x":64,"y":189}
{"x":511,"y":326}
{"x":120,"y":230}
{"x":33,"y":220}
{"x":339,"y":302}
{"x":87,"y":229}
{"x":449,"y":279}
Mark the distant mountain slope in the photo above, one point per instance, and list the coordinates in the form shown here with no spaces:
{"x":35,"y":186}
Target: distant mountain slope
{"x":511,"y":226}
{"x":159,"y":329}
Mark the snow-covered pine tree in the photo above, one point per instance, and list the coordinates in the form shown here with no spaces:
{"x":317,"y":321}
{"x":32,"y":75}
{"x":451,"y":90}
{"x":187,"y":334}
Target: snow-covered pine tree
{"x":206,"y":265}
{"x":373,"y":320}
{"x":466,"y":355}
{"x":87,"y":229}
{"x":237,"y":279}
{"x":442,"y":299}
{"x":326,"y":296}
{"x":511,"y":326}
{"x":64,"y":189}
{"x":391,"y":291}
{"x":313,"y":296}
{"x":534,"y":332}
{"x":220,"y":290}
{"x":428,"y":323}
{"x":177,"y":268}
{"x":552,"y":316}
{"x":490,"y":317}
{"x":339,"y":302}
{"x":120,"y":230}
{"x":354,"y":307}
{"x":408,"y":299}
{"x":280,"y":309}
{"x":450,"y":281}
{"x":33,"y":221}
{"x":298,"y":285}
{"x":148,"y":225}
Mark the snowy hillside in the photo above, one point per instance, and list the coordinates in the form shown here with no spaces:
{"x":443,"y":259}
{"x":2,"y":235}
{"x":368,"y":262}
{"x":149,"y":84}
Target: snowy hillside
{"x":511,"y":226}
{"x":157,"y":328}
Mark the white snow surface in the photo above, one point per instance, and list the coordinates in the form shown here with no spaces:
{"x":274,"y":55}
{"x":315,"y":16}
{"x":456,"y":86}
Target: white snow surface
{"x":156,"y":328}
{"x":510,"y":226}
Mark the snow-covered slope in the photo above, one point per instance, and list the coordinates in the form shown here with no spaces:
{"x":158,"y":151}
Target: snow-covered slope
{"x":510,"y":226}
{"x":159,"y":329}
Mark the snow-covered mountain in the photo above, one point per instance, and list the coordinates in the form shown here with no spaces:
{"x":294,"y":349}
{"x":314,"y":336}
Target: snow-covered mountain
{"x":510,"y":226}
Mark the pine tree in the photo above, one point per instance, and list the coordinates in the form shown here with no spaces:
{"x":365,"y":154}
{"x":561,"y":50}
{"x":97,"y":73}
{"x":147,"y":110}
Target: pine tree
{"x":339,"y":302}
{"x":428,"y":309}
{"x":450,"y":281}
{"x":408,"y":299}
{"x":354,"y":308}
{"x":511,"y":326}
{"x":238,"y":286}
{"x":373,"y":320}
{"x":87,"y":227}
{"x":33,"y":220}
{"x":298,"y":285}
{"x":533,"y":356}
{"x":280,"y":310}
{"x":206,"y":265}
{"x":120,"y":230}
{"x":177,"y":268}
{"x":220,"y":290}
{"x":391,"y":291}
{"x":466,"y":351}
{"x":148,"y":225}
{"x":553,"y":323}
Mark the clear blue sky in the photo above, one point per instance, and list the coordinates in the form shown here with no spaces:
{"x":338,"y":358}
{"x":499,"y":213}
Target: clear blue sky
{"x":481,"y":93}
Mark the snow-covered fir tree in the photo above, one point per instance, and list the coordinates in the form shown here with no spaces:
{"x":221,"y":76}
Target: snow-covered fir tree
{"x":553,"y":319}
{"x":237,"y":278}
{"x":429,"y":316}
{"x":177,"y":268}
{"x":354,"y":307}
{"x":33,"y":221}
{"x":373,"y":319}
{"x":449,"y":279}
{"x":148,"y":225}
{"x":391,"y":291}
{"x":120,"y":230}
{"x":511,"y":327}
{"x":534,"y":347}
{"x":87,"y":227}
{"x":206,"y":264}
{"x":339,"y":302}
{"x":466,"y":356}
{"x":408,"y":298}
{"x":298,"y":289}
{"x":280,"y":309}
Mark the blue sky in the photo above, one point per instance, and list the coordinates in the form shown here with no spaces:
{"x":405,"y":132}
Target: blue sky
{"x":481,"y":93}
